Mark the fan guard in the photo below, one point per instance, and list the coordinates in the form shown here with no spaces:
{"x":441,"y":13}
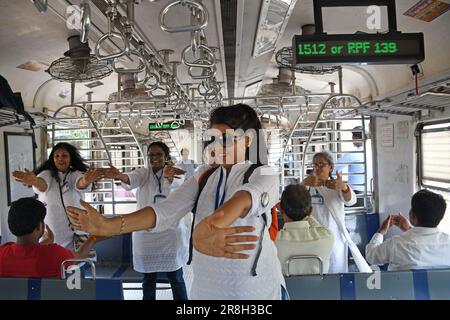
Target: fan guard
{"x":284,"y":58}
{"x":79,"y":69}
{"x":78,"y":65}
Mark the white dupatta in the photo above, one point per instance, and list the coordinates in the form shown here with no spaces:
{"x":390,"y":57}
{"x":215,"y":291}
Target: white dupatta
{"x":361,"y":263}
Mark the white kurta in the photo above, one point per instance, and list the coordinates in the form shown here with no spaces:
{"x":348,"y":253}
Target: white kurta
{"x":339,"y":253}
{"x":56,"y":217}
{"x":222,"y":278}
{"x":161,"y":251}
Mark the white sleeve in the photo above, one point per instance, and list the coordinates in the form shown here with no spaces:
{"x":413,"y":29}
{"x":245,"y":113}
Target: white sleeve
{"x":377,"y":251}
{"x":352,"y":200}
{"x":137,"y":178}
{"x":77,"y":176}
{"x":47,"y":176}
{"x":179,"y":203}
{"x":176,"y":183}
{"x":265,"y":179}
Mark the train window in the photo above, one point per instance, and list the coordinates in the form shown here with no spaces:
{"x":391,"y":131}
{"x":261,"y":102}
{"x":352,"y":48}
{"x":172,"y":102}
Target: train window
{"x":433,"y":166}
{"x":434,"y":152}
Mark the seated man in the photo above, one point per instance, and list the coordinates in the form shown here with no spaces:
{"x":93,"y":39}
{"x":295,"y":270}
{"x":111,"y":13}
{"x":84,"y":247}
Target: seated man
{"x":27,"y":257}
{"x":419,"y":247}
{"x":301,"y":233}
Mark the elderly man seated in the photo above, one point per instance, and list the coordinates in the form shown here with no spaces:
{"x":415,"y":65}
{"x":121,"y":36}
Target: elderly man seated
{"x":301,"y":233}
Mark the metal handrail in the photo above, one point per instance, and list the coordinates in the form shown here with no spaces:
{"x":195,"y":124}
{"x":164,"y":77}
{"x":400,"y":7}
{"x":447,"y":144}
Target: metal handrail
{"x":319,"y":114}
{"x":92,"y":122}
{"x":85,"y":21}
{"x":304,"y":257}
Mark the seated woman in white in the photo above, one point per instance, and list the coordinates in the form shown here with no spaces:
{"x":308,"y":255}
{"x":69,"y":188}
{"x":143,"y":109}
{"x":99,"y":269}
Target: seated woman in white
{"x":302,"y":234}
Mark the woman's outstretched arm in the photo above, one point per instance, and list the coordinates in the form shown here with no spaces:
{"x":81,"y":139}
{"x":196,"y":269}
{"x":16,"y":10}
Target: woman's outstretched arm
{"x":91,"y":221}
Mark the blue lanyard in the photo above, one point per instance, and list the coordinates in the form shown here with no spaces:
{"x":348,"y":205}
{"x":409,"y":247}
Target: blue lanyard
{"x":159,"y":179}
{"x":219,"y":201}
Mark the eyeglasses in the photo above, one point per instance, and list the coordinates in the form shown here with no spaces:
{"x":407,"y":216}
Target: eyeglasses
{"x":320,"y":165}
{"x":226,"y":139}
{"x":155,"y":155}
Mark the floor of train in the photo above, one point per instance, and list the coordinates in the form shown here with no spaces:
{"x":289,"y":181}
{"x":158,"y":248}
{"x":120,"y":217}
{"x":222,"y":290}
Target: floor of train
{"x":133,"y":291}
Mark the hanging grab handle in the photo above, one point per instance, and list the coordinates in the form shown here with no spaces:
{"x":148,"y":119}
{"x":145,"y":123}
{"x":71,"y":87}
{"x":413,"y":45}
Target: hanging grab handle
{"x":125,"y":50}
{"x":207,"y":62}
{"x":139,"y":69}
{"x":196,"y":5}
{"x":112,"y":12}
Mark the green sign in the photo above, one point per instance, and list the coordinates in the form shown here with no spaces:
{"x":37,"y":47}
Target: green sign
{"x":390,"y":48}
{"x":172,"y":125}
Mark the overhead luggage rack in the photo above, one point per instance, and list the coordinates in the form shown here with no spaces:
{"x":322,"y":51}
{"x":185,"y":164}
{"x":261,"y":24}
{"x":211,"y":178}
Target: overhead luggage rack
{"x":9,"y":117}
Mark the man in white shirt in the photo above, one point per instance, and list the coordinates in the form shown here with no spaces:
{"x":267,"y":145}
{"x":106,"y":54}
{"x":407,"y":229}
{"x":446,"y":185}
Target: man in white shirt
{"x":187,"y":164}
{"x":419,"y":247}
{"x":301,"y":233}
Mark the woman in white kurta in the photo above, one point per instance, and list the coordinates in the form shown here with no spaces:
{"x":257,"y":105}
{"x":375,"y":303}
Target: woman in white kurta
{"x":328,"y":198}
{"x":226,"y":207}
{"x":154,"y":252}
{"x":59,"y":183}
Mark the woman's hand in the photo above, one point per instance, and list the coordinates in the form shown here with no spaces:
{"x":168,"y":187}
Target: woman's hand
{"x":92,"y":175}
{"x":337,"y":184}
{"x":112,"y":172}
{"x":26,"y":177}
{"x":222,"y":242}
{"x":312,"y":181}
{"x":89,"y":220}
{"x":171,"y":172}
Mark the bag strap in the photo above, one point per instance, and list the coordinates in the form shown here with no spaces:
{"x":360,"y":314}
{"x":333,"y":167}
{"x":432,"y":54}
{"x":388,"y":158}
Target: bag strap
{"x":61,"y":195}
{"x":201,"y":185}
{"x":249,"y":172}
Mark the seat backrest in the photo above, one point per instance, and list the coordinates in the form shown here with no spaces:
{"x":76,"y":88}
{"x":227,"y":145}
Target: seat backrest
{"x":56,"y":289}
{"x":114,"y":250}
{"x":428,"y":284}
{"x":114,"y":259}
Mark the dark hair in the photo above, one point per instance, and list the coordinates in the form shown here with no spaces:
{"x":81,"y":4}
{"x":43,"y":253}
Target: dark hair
{"x":163,"y":146}
{"x":296,"y":202}
{"x":242,"y":116}
{"x":76,"y":161}
{"x":25,"y":215}
{"x":360,"y":134}
{"x":429,"y":208}
{"x":183,"y":149}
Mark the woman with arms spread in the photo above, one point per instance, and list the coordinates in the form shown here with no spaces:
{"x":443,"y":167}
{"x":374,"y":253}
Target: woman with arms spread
{"x":165,"y":251}
{"x":226,"y":206}
{"x":60,"y":182}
